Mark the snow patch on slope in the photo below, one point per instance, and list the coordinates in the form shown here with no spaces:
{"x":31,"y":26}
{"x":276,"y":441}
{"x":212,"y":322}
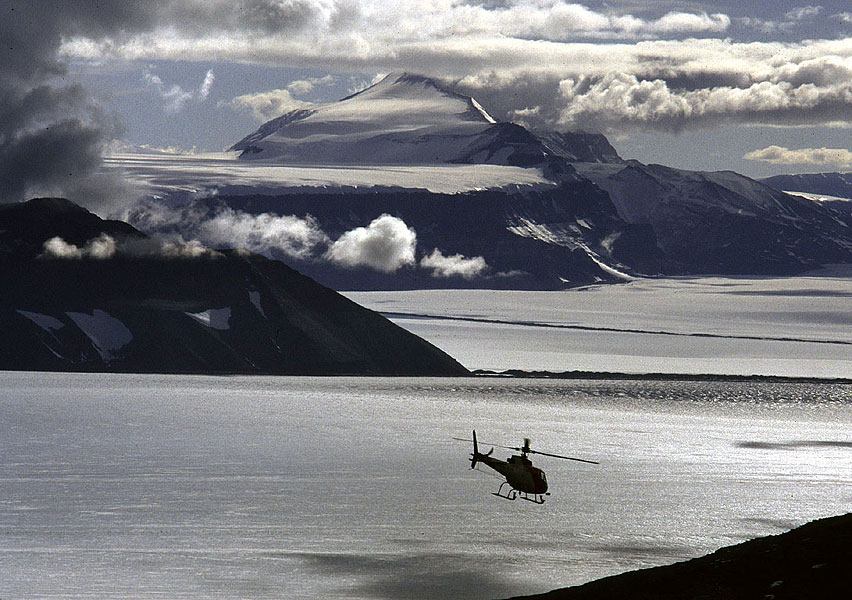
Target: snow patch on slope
{"x":107,"y":333}
{"x":214,"y":318}
{"x":46,"y":322}
{"x":254,"y":297}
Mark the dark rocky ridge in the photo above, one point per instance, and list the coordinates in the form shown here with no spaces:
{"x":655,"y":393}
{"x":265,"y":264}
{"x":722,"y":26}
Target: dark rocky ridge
{"x":529,"y":239}
{"x":811,"y":562}
{"x":838,"y":185}
{"x":830,"y":184}
{"x":277,"y":320}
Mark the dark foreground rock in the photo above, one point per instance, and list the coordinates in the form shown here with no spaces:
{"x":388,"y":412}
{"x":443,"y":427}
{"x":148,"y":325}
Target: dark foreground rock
{"x":103,"y":297}
{"x":812,"y":562}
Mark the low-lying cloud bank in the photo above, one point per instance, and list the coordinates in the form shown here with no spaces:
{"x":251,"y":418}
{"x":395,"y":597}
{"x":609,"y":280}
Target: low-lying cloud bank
{"x":386,"y":245}
{"x":105,"y":247}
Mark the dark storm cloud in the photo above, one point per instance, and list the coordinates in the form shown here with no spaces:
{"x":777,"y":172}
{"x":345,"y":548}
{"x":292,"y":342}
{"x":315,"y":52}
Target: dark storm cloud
{"x":51,"y":134}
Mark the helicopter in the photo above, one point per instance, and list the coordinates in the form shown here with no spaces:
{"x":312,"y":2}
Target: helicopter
{"x":524,"y":480}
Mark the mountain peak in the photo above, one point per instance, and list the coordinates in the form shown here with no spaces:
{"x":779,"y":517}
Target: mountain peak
{"x":402,"y":119}
{"x":410,"y":119}
{"x":402,"y":85}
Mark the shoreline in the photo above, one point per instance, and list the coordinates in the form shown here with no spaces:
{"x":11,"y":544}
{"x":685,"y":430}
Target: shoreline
{"x":699,"y":377}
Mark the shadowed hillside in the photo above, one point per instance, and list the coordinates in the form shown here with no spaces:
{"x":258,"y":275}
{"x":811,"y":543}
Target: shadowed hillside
{"x":811,"y":562}
{"x":84,"y":294}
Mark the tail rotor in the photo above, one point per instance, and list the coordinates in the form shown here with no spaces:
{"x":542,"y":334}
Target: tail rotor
{"x":475,"y":454}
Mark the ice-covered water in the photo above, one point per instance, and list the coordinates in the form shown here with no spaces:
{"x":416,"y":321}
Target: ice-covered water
{"x":126,"y":486}
{"x":796,"y":326}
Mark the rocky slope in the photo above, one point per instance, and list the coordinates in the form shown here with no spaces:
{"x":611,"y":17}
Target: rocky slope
{"x":84,"y":294}
{"x":723,"y":222}
{"x":808,"y":563}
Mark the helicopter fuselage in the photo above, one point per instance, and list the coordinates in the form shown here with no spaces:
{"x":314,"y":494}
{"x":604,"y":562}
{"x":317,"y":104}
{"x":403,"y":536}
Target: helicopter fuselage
{"x":519,"y":472}
{"x":524,"y":480}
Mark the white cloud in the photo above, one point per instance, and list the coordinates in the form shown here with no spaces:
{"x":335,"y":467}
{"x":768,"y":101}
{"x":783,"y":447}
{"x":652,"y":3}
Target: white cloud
{"x":277,"y":236}
{"x":264,"y":106}
{"x":555,"y":63}
{"x":360,"y":28}
{"x":289,"y":235}
{"x":779,"y":155}
{"x":99,"y":248}
{"x":56,"y":247}
{"x":174,"y":95}
{"x":453,"y":266}
{"x":105,"y":247}
{"x":387,"y":244}
{"x":206,"y":85}
{"x":803,"y":13}
{"x":300,"y":87}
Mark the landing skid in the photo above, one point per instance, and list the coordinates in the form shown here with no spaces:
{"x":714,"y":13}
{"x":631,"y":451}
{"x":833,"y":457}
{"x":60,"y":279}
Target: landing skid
{"x":513,"y":494}
{"x":510,"y":495}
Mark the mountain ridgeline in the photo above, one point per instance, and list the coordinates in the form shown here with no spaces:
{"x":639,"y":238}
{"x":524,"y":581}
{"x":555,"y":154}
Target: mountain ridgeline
{"x":601,"y":218}
{"x":85,"y":294}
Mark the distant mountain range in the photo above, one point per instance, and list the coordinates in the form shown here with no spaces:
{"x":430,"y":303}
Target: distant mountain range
{"x":84,"y":294}
{"x":832,"y":190}
{"x":600,"y":218}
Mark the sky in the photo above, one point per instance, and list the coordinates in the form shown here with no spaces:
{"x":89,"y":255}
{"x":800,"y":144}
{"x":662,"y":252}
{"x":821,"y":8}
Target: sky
{"x":753,"y":86}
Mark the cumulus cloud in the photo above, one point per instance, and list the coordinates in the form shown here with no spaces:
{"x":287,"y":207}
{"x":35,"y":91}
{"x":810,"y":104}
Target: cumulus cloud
{"x":99,"y":248}
{"x":779,"y":155}
{"x":288,"y":235}
{"x":453,"y":266}
{"x":264,"y":106}
{"x":387,"y":244}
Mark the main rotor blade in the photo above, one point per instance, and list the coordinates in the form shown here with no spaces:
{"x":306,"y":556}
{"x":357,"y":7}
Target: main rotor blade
{"x":591,"y":462}
{"x":481,"y":443}
{"x":521,"y":449}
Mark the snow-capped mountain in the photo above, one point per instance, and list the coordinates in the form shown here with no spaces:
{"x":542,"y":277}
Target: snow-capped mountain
{"x":587,"y":216}
{"x":407,"y":119}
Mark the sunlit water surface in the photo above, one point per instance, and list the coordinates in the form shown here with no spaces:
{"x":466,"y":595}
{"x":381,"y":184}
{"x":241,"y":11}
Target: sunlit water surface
{"x":249,"y":487}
